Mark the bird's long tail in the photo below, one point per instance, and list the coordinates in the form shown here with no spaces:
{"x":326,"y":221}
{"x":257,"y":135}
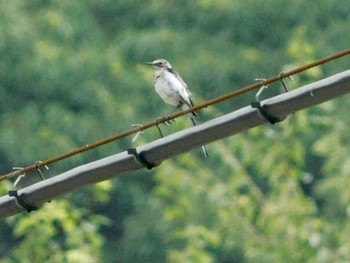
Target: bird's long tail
{"x":193,"y":116}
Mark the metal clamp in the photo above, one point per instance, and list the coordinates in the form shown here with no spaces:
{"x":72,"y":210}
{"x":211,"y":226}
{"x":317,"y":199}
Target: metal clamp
{"x":262,"y":109}
{"x":20,"y":202}
{"x":141,"y":159}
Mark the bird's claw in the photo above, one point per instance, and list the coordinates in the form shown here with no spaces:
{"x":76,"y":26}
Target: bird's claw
{"x":163,"y":120}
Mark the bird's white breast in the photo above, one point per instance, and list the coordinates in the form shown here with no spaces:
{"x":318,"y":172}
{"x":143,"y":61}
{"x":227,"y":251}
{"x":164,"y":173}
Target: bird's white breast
{"x":168,"y":87}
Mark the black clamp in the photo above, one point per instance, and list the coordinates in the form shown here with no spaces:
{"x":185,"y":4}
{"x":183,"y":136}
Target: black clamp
{"x":141,"y":159}
{"x":262,"y":110}
{"x":21,"y":202}
{"x":19,"y":198}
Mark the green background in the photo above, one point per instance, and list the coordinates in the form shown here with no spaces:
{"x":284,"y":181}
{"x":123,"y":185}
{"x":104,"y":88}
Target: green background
{"x":73,"y":72}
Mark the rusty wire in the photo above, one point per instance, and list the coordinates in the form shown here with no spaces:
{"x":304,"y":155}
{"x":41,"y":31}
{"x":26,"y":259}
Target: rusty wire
{"x":199,"y":106}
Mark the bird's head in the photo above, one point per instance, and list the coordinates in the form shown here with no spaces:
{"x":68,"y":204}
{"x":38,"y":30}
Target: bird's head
{"x":160,"y":63}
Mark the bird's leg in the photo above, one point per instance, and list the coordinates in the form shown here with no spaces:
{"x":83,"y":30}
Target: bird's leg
{"x":162,"y":119}
{"x":171,"y":113}
{"x":160,"y":131}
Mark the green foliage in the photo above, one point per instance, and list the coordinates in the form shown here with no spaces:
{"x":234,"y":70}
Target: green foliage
{"x":73,"y":72}
{"x":46,"y":233}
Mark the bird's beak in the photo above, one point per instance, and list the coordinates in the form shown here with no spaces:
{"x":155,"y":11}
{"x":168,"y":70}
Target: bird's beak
{"x":149,"y":63}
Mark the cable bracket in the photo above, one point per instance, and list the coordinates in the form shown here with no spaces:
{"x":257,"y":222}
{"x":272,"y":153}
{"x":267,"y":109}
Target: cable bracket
{"x":262,"y":110}
{"x":141,"y":159}
{"x":20,"y":202}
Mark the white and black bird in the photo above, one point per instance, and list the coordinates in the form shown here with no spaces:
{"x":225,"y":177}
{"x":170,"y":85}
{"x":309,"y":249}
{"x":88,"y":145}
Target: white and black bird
{"x":173,"y":89}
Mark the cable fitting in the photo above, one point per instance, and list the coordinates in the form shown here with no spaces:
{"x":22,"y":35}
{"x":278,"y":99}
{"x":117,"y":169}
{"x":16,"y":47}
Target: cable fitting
{"x":20,"y":202}
{"x":141,"y":159}
{"x":262,"y":110}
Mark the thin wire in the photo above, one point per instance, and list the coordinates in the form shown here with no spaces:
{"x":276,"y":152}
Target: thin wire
{"x":148,"y":125}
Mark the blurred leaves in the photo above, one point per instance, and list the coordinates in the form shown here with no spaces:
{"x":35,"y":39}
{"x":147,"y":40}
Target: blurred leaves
{"x":47,"y":232}
{"x":72,"y":73}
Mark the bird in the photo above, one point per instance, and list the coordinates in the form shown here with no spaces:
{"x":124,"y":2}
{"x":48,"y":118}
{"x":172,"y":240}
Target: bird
{"x":173,"y":89}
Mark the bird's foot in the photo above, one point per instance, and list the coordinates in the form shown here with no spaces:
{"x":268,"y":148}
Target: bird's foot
{"x":164,"y":120}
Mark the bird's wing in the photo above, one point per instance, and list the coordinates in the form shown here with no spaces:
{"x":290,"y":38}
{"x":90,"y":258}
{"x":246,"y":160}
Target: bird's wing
{"x":181,"y":80}
{"x":185,"y":95}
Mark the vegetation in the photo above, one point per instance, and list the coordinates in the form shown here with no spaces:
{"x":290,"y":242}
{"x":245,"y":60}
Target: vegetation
{"x":73,"y":72}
